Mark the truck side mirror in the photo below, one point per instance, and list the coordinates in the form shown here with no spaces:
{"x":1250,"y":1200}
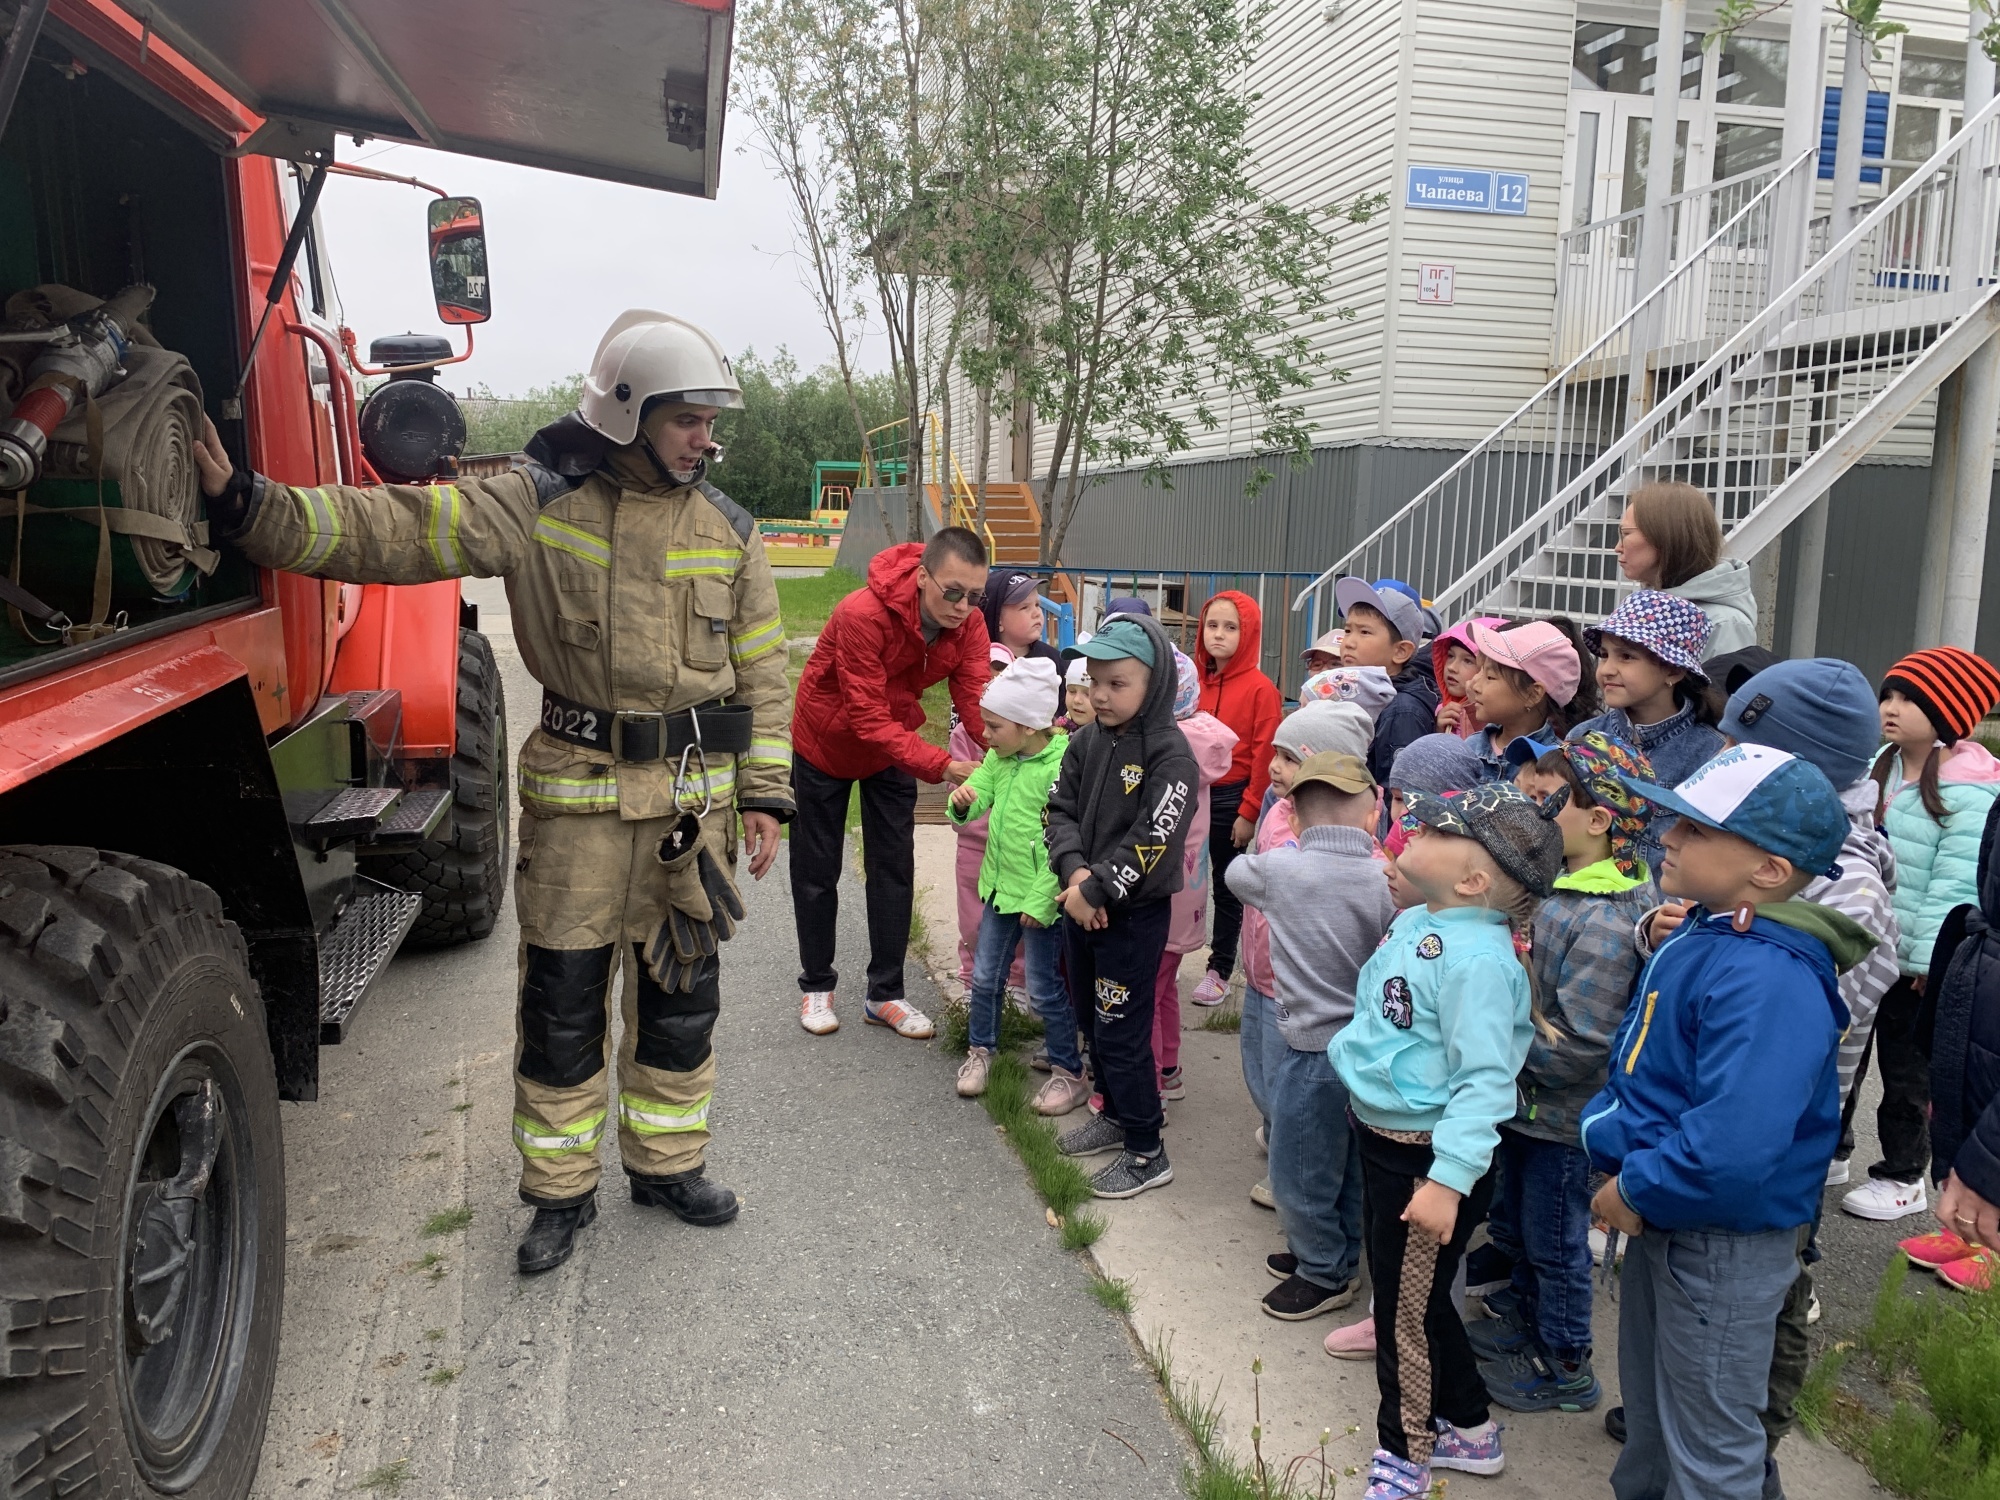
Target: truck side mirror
{"x":458,"y":261}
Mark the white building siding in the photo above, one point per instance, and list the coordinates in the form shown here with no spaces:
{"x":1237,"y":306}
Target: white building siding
{"x":1488,"y":87}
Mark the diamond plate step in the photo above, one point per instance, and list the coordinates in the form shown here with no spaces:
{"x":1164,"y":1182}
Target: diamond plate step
{"x":420,"y":816}
{"x":354,"y":953}
{"x":351,"y":814}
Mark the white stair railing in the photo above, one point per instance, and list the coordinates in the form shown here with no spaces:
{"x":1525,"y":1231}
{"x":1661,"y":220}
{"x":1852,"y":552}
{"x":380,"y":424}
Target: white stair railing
{"x":1780,"y":391}
{"x":1507,"y":478}
{"x":1597,"y":263}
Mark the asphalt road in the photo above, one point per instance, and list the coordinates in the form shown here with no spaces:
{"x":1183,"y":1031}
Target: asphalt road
{"x":890,"y":1316}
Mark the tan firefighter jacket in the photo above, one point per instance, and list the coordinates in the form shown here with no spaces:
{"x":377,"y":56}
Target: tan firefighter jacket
{"x":627,"y":594}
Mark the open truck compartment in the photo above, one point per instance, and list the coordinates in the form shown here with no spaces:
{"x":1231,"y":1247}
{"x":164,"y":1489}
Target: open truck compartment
{"x":100,"y":190}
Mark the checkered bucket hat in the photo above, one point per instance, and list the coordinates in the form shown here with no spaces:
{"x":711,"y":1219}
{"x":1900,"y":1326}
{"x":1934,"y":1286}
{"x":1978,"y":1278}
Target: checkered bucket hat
{"x":1667,"y":625}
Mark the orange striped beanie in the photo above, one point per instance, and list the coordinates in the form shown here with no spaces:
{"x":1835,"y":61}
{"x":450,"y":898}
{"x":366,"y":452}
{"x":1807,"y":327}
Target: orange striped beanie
{"x":1954,"y":688}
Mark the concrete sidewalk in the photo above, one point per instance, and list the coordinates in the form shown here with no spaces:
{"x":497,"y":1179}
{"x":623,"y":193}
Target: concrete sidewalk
{"x":1194,"y":1254}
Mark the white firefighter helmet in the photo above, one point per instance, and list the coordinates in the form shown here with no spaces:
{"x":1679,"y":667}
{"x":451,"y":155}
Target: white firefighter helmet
{"x":644,"y":354}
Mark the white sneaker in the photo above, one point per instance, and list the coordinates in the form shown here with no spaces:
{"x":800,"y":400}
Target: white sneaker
{"x":1259,"y":1138}
{"x":1836,"y":1172}
{"x":1260,"y":1193}
{"x":904,"y":1020}
{"x":972,"y":1072}
{"x":1812,"y":1309}
{"x":1599,"y":1243}
{"x":1881,"y":1199}
{"x":816,"y":1012}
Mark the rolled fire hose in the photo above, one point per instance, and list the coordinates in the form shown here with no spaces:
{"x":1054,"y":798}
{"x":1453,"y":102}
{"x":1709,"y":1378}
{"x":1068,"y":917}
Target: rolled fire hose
{"x":150,"y":421}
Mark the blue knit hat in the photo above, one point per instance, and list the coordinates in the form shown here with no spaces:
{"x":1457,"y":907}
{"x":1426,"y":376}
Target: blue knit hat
{"x":1435,"y":763}
{"x":1821,"y":710}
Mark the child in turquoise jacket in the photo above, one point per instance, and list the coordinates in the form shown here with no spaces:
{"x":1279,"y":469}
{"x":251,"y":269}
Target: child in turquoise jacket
{"x":1442,"y":1023}
{"x":1017,"y":888}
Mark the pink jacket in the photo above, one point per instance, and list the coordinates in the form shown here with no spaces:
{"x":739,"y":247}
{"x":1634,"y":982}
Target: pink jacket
{"x":1275,"y":832}
{"x":1214,"y":744}
{"x":965,"y":747}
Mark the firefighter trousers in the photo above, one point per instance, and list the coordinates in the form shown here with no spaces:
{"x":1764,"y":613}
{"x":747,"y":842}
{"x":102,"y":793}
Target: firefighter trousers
{"x":590,"y":891}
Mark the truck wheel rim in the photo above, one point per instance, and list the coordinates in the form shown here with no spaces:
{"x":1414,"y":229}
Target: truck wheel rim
{"x":187,"y":1268}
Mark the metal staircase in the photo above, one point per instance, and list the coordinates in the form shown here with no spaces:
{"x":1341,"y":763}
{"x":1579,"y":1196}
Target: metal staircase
{"x":1762,"y":395}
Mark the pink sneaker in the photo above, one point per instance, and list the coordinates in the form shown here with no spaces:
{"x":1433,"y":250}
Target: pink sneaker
{"x":1972,"y":1274}
{"x":1931,"y":1252}
{"x":1212,"y":990}
{"x":1355,"y":1341}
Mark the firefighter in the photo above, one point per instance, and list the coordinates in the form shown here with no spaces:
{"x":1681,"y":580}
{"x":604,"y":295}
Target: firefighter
{"x":643,"y":604}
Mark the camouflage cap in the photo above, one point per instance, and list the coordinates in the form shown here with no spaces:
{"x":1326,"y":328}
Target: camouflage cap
{"x":1523,"y":839}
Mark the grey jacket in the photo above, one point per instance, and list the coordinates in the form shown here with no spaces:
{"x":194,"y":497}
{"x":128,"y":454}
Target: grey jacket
{"x":1328,"y":904}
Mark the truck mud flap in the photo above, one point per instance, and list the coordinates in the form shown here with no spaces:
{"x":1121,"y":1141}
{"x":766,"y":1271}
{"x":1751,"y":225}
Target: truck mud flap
{"x":354,"y":953}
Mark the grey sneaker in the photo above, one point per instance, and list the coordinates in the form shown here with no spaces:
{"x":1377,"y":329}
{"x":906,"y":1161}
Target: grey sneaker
{"x":1131,"y":1175}
{"x":1094,"y":1137}
{"x":1040,"y":1060}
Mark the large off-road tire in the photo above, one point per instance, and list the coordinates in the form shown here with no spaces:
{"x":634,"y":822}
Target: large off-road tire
{"x":463,"y":879}
{"x":142,"y":1198}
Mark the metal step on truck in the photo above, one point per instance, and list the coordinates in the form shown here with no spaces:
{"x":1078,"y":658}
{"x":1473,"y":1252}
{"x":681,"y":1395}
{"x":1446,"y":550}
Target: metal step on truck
{"x":228,"y":795}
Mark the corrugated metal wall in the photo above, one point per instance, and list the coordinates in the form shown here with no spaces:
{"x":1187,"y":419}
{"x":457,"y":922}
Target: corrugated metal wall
{"x":1300,"y":522}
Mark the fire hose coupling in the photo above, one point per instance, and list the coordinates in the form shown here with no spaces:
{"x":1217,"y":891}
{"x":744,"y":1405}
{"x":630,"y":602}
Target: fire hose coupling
{"x":83,"y":357}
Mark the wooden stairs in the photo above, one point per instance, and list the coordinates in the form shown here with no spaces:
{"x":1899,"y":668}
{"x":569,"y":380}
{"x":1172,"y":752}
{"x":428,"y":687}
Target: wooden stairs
{"x":1013,"y":520}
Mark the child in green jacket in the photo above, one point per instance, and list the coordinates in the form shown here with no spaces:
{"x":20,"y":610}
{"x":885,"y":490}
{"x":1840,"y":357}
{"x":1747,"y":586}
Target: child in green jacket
{"x":1017,"y":889}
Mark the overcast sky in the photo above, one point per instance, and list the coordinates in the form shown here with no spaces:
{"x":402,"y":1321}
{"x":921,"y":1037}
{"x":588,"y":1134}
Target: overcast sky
{"x":567,"y":255}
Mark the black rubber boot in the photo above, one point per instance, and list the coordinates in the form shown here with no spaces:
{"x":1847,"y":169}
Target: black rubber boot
{"x":551,"y":1239}
{"x":691,"y":1196}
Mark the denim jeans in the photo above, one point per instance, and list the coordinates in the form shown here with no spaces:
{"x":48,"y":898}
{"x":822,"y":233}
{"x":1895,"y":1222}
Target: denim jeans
{"x":1315,"y":1167}
{"x":1260,"y":1041}
{"x":998,"y":933}
{"x":1543,"y":1214}
{"x":1696,"y":1317}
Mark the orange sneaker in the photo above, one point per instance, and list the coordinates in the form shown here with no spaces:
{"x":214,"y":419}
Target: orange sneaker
{"x":1933,"y":1252}
{"x":904,"y":1020}
{"x":1972,"y":1274}
{"x":816,"y":1012}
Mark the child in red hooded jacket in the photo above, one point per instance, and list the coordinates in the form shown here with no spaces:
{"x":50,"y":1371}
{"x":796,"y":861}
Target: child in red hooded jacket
{"x":1234,"y":689}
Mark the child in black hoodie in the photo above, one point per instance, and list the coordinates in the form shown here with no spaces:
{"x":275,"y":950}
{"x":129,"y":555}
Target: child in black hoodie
{"x":1117,"y":820}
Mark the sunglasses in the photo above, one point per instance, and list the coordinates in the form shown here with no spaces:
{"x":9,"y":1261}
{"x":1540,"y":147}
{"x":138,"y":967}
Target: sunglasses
{"x":955,"y":594}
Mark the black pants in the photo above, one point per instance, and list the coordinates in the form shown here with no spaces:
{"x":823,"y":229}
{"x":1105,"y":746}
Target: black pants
{"x":1902,"y":1119}
{"x":1112,"y":972}
{"x":1223,"y":802}
{"x":888,"y":842}
{"x":1424,"y":1363}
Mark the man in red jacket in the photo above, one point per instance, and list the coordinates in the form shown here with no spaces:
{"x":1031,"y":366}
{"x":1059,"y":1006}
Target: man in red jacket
{"x":855,"y":720}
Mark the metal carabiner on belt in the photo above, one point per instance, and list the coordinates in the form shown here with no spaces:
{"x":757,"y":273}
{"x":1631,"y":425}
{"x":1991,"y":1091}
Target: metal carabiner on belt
{"x":680,"y":775}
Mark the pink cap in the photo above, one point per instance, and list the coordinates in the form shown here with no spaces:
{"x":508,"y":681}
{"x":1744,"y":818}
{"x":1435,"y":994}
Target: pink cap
{"x":1537,"y":648}
{"x":999,"y":655}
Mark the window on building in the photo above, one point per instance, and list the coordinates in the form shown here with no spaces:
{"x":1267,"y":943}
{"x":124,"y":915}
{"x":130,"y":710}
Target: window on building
{"x":1741,"y":148}
{"x":1931,"y":71}
{"x":1622,"y":59}
{"x":1751,"y":70}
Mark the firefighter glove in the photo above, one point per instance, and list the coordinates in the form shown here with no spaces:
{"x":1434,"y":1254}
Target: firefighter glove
{"x":702,"y":909}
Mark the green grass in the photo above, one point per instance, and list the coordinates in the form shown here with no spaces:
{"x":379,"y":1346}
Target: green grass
{"x":389,"y":1479}
{"x":433,"y":1335}
{"x":807,"y":603}
{"x":1815,"y":1404}
{"x":1017,"y":1029}
{"x":1060,"y":1181}
{"x":448,"y":1221}
{"x":1113,"y":1294}
{"x":1943,"y":1348}
{"x":1215,"y":1473}
{"x":1223,"y":1019}
{"x":445,"y":1374}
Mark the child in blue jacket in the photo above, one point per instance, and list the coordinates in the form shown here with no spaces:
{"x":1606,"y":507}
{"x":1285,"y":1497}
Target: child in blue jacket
{"x":1721,"y":1113}
{"x":1442,"y":1020}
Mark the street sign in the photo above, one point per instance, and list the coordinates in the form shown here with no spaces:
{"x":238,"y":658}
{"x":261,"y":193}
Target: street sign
{"x":1435,"y":284}
{"x":1466,"y":190}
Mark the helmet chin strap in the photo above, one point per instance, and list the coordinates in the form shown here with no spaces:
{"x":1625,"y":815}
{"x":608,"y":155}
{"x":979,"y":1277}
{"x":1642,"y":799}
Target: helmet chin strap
{"x":678,"y":477}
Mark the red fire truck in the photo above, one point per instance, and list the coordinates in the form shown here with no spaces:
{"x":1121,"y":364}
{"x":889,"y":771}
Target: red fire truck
{"x":228,"y":795}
